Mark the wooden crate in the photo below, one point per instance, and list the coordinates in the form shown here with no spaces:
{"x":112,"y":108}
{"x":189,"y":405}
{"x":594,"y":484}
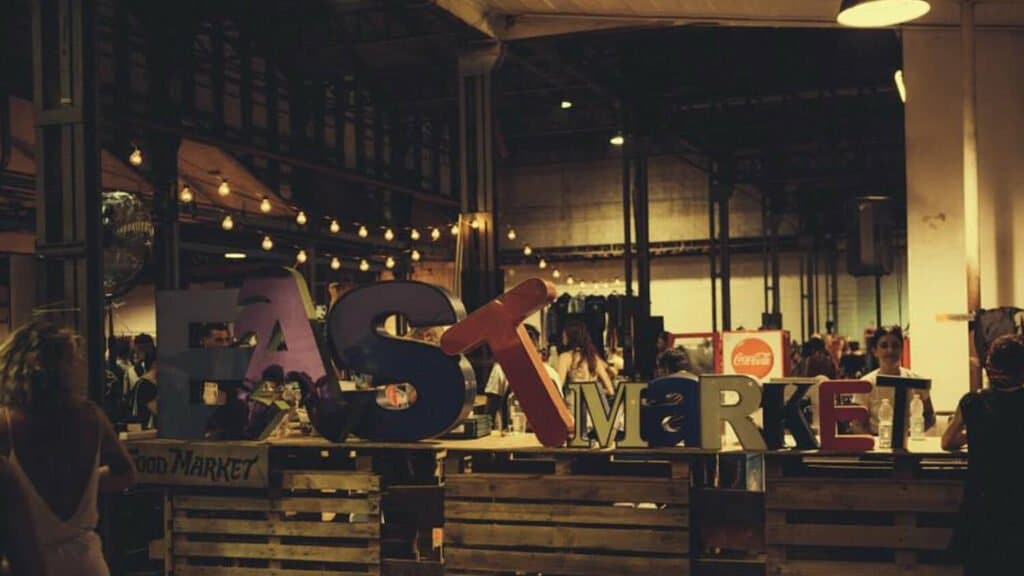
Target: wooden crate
{"x":566,"y":513}
{"x":878,"y":514}
{"x":318,"y":522}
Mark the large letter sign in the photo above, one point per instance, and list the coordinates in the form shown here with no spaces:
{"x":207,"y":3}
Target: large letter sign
{"x":832,"y":415}
{"x":627,"y":400}
{"x":738,"y":415}
{"x":445,"y":385}
{"x":499,"y":324}
{"x":672,"y":399}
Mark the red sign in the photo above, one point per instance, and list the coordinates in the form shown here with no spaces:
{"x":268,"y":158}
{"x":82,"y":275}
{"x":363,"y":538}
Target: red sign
{"x":754,"y":357}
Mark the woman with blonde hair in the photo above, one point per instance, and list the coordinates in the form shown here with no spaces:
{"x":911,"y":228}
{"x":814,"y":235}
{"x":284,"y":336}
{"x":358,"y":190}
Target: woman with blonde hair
{"x":60,"y":448}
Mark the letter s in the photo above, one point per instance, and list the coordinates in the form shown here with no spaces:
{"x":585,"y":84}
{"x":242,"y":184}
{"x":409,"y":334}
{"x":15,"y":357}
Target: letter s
{"x":445,"y":385}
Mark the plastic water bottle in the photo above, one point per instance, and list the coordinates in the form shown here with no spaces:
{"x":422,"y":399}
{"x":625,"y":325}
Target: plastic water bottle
{"x":916,"y":418}
{"x":885,"y":424}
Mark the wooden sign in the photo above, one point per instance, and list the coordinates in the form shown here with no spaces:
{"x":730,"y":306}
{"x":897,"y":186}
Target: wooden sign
{"x":175,"y":463}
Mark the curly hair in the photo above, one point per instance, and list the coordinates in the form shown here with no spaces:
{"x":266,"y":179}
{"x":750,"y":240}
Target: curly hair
{"x":32,"y":363}
{"x":1005,"y":362}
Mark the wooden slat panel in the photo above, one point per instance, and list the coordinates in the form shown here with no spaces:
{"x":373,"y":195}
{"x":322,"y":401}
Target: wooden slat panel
{"x":570,"y":564}
{"x":330,"y":480}
{"x":545,"y":487}
{"x":184,"y":570}
{"x":369,"y":505}
{"x":280,"y":528}
{"x":809,"y":568}
{"x":561,"y":538}
{"x":863,"y":496}
{"x":891,"y":537}
{"x":565,"y":513}
{"x":390,"y":567}
{"x":183,"y":547}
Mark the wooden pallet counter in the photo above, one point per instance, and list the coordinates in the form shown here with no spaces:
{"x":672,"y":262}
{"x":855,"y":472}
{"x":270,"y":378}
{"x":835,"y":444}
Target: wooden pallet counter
{"x":513,"y":506}
{"x":879,"y":513}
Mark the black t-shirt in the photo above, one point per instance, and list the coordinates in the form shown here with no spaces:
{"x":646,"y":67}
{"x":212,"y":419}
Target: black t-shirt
{"x":145,"y":392}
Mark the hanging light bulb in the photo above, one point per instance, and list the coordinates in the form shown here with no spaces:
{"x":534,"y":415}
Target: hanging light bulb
{"x":267,"y":244}
{"x":527,"y":250}
{"x":511,"y":233}
{"x":335,"y":263}
{"x":135,"y":158}
{"x":415,"y":255}
{"x":566,"y":104}
{"x":186,"y":195}
{"x":364,"y":265}
{"x":474,"y":224}
{"x":542,"y":264}
{"x":335,"y":227}
{"x":389,"y":235}
{"x":227,"y":223}
{"x":300,"y":218}
{"x":454,"y":230}
{"x":555,"y":273}
{"x":389,"y":263}
{"x":363,"y":232}
{"x":571,"y":280}
{"x":301,"y":257}
{"x":265,"y":205}
{"x":414,"y":234}
{"x":583,"y":282}
{"x":224,"y":189}
{"x":435,"y":234}
{"x":617,"y":140}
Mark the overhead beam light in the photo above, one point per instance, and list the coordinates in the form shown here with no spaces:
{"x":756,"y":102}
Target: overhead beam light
{"x":235,"y":255}
{"x":617,"y":140}
{"x":880,"y":13}
{"x":900,"y":86}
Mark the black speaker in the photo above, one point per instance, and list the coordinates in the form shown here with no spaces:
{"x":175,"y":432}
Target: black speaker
{"x":869,"y":237}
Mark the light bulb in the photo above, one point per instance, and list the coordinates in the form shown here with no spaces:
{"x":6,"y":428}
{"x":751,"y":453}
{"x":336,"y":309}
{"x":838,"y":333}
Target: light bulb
{"x":135,"y":159}
{"x":363,"y":232}
{"x":583,"y":282}
{"x":268,"y":243}
{"x":435,"y":234}
{"x":224,"y":189}
{"x":542,"y":264}
{"x":618,"y":280}
{"x":617,"y":140}
{"x":186,"y":195}
{"x":335,"y":227}
{"x":335,"y":263}
{"x":566,"y":104}
{"x":570,"y":280}
{"x":265,"y":205}
{"x":474,"y":224}
{"x":389,"y":263}
{"x":415,"y":255}
{"x":414,"y":234}
{"x":227,"y":223}
{"x":389,"y":235}
{"x":555,"y":273}
{"x":300,"y":218}
{"x":301,"y":257}
{"x":364,"y":265}
{"x":527,"y":250}
{"x":454,"y":230}
{"x":511,"y":233}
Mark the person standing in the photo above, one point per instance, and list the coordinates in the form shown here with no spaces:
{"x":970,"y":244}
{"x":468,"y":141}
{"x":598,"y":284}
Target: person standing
{"x":992,"y":420}
{"x":61,"y":449}
{"x":887,"y":347}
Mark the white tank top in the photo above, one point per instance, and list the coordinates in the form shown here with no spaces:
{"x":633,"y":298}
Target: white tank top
{"x":72,"y":547}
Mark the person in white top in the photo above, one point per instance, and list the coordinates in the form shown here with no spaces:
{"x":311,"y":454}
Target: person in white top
{"x":61,"y":449}
{"x":497,"y":382}
{"x":580,"y":362}
{"x":887,"y":346}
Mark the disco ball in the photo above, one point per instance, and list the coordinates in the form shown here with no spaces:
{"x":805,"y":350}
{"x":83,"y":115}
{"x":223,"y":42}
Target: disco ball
{"x":127,"y":241}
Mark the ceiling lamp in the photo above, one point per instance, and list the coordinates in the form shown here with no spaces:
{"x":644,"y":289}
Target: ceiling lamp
{"x":389,"y":235}
{"x":414,"y":234}
{"x":511,"y":233}
{"x":224,"y":189}
{"x":363,"y":232}
{"x":335,"y":263}
{"x":527,"y":250}
{"x":335,"y":227}
{"x":617,"y":140}
{"x":186,"y":195}
{"x":301,"y":257}
{"x":389,"y":263}
{"x":435,"y":234}
{"x":227,"y":223}
{"x":265,"y":205}
{"x":454,"y":230}
{"x":880,"y":13}
{"x":900,"y":86}
{"x":566,"y":104}
{"x":300,"y":218}
{"x":364,"y":265}
{"x":267,"y":244}
{"x":415,"y":255}
{"x":135,"y":158}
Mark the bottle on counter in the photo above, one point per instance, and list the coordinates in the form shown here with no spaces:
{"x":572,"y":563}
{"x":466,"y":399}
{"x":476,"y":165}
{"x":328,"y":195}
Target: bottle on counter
{"x":885,"y":424}
{"x":917,"y":418}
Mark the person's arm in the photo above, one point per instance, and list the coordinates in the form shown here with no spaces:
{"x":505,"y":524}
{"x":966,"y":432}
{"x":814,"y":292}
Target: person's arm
{"x":562,"y":365}
{"x":955,"y":436}
{"x":117,"y":471}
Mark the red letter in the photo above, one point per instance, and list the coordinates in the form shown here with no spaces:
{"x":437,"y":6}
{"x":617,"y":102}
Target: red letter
{"x":499,"y":324}
{"x":832,"y":414}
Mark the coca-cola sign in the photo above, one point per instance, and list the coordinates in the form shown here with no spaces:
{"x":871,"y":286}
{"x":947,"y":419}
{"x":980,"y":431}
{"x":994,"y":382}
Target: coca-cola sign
{"x":754,"y":357}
